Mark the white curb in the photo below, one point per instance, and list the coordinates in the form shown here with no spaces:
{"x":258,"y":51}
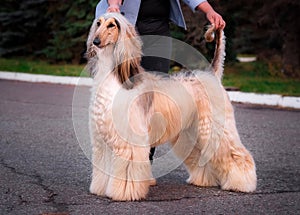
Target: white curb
{"x":235,"y":96}
{"x":246,"y":59}
{"x":265,"y":99}
{"x":46,"y":78}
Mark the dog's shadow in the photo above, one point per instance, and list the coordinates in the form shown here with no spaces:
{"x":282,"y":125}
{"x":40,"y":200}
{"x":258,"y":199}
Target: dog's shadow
{"x":172,"y":188}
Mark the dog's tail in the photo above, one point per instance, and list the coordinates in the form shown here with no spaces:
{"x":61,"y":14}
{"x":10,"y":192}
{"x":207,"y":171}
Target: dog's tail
{"x":219,"y":55}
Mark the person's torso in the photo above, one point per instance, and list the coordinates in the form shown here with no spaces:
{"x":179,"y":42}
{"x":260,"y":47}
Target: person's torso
{"x":130,"y":9}
{"x":154,"y":9}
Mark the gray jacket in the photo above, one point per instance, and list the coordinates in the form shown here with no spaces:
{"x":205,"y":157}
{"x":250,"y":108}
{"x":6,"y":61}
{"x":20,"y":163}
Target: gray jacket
{"x":130,"y":8}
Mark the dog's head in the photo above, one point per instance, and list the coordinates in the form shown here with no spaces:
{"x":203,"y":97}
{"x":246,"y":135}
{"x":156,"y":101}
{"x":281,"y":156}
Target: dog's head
{"x":111,"y":34}
{"x":112,"y":29}
{"x":106,"y":32}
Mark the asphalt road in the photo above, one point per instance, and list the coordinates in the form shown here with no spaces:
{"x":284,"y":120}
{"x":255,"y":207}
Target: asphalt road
{"x":44,"y":171}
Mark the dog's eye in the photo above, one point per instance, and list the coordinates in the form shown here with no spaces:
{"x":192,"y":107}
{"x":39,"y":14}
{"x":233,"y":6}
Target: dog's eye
{"x":98,"y":24}
{"x":111,"y":25}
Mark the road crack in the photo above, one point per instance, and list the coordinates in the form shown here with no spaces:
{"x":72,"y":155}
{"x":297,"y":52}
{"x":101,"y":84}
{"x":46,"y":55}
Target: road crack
{"x":37,"y":180}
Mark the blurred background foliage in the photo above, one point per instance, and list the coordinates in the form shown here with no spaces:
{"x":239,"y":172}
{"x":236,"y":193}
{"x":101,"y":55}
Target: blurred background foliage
{"x":56,"y":31}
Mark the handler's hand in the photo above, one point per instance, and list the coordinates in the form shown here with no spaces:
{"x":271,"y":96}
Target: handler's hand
{"x":212,"y":16}
{"x":113,"y":8}
{"x":216,"y":19}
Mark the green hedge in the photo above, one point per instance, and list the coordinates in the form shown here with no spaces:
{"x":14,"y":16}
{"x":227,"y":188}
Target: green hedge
{"x":56,"y":30}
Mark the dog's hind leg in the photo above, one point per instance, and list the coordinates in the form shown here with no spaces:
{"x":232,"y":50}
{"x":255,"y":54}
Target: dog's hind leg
{"x":242,"y":175}
{"x":187,"y":149}
{"x":199,"y":175}
{"x":130,"y":172}
{"x":235,"y":167}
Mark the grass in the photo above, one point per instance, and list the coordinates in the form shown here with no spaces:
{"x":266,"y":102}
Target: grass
{"x":247,"y":77}
{"x":255,"y":77}
{"x":39,"y":67}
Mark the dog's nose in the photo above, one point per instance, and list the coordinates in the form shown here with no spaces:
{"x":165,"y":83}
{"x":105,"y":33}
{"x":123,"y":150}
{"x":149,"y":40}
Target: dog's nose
{"x":96,"y":41}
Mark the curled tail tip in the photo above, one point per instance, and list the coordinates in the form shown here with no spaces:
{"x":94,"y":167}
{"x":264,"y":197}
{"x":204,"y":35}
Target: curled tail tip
{"x":219,"y":56}
{"x":210,"y":33}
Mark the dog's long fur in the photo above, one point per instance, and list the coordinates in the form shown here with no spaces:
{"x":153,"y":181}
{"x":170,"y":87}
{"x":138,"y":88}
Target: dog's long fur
{"x":132,"y":110}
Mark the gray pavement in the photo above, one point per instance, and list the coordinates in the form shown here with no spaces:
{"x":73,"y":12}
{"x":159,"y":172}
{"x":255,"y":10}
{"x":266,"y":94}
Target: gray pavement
{"x":44,"y":171}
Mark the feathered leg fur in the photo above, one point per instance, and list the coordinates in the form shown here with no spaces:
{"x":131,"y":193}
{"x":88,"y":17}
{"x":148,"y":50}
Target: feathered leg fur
{"x":218,"y":158}
{"x":130,"y":173}
{"x":198,"y":120}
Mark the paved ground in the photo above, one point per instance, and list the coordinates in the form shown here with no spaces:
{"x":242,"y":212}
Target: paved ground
{"x":43,"y":169}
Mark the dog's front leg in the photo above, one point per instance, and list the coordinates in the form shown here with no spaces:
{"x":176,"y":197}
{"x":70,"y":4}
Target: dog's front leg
{"x":130,"y":172}
{"x":102,"y":157}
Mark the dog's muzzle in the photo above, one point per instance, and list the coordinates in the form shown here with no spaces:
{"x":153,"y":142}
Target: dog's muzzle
{"x":96,"y":41}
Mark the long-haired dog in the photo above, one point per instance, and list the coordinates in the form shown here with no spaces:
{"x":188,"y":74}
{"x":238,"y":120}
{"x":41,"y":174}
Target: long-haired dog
{"x":132,"y":110}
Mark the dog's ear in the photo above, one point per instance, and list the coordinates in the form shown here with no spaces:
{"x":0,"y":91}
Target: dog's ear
{"x":90,"y":52}
{"x":128,"y":54}
{"x":126,"y":71}
{"x":117,"y":23}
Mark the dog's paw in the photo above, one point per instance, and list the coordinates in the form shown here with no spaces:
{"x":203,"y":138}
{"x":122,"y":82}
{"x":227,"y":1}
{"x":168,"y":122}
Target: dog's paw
{"x":152,"y":182}
{"x":123,"y":190}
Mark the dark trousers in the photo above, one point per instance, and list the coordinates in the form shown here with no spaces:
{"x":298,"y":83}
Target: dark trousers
{"x":155,"y":34}
{"x":157,"y":53}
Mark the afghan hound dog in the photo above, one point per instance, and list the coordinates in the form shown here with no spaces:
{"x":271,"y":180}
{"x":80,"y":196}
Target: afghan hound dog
{"x":132,"y":110}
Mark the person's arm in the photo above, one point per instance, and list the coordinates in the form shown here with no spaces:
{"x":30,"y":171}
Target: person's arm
{"x":212,"y":16}
{"x":114,"y":6}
